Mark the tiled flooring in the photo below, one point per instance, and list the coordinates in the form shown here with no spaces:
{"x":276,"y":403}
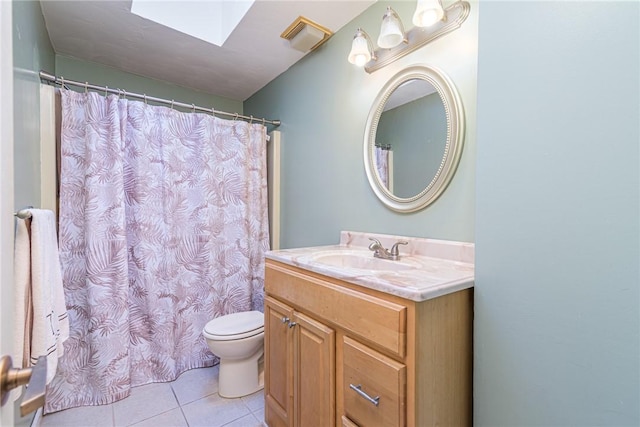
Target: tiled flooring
{"x":192,"y":400}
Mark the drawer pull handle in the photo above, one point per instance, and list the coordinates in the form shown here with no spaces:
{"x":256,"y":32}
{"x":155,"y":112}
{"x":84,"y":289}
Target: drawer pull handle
{"x":358,"y":389}
{"x":285,"y":319}
{"x":292,"y":324}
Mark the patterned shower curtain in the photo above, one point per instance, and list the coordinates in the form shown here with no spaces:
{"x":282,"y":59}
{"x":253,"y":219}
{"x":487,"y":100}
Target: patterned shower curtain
{"x":163,"y":227}
{"x":382,"y":164}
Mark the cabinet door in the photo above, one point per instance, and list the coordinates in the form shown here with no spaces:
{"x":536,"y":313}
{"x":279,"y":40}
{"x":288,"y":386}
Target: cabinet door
{"x":314,"y":373}
{"x":278,"y":364}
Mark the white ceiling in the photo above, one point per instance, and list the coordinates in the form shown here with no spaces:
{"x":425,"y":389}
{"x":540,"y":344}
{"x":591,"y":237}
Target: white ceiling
{"x":107,"y":32}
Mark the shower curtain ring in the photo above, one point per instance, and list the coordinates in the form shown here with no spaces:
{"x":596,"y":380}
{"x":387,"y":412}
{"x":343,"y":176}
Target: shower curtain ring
{"x":213,"y":111}
{"x":172,"y":104}
{"x":145,"y":98}
{"x":62,"y":82}
{"x":235,"y":117}
{"x":86,"y":87}
{"x":264,"y":121}
{"x":251,"y":120}
{"x":193,"y":108}
{"x":106,"y":91}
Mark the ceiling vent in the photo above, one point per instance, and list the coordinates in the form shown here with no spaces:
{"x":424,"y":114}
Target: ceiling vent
{"x":305,"y":35}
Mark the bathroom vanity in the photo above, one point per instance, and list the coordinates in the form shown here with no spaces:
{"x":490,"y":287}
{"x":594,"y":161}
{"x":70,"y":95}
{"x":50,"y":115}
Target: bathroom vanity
{"x":353,"y":340}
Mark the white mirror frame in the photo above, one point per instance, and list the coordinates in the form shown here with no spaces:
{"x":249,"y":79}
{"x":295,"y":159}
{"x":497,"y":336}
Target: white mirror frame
{"x":453,"y":148}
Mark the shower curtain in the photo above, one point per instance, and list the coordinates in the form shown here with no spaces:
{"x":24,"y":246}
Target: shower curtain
{"x":382,"y":164}
{"x":163,"y":227}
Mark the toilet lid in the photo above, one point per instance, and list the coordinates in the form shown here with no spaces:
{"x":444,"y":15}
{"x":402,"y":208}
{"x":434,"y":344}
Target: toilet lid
{"x":236,"y":325}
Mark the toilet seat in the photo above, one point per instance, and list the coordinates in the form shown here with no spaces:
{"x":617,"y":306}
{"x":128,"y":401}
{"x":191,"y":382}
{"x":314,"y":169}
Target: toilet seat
{"x":235,"y":326}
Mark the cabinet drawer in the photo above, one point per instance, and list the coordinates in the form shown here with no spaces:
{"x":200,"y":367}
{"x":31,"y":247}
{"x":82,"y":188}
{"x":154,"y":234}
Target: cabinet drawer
{"x":376,"y":375}
{"x":379,"y":321}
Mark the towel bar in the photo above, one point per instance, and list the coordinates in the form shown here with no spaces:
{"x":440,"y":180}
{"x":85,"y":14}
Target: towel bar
{"x":23,"y":213}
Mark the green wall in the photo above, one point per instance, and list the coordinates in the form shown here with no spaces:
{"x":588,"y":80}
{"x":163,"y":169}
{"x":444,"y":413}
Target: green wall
{"x":323,"y":102}
{"x":557,"y":227}
{"x":102,"y":75}
{"x":32,"y":51}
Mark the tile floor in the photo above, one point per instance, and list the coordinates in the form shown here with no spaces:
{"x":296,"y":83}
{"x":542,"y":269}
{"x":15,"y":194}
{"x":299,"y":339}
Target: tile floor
{"x":190,"y":401}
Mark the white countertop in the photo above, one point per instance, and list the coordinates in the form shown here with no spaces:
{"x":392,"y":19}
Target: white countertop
{"x":427,"y":268}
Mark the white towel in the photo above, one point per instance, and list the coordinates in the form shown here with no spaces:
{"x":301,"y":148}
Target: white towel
{"x":42,"y":324}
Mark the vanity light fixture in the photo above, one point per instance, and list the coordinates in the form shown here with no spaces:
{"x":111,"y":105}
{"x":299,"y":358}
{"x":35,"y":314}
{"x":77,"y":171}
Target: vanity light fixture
{"x":361,"y":49}
{"x":391,"y":30}
{"x":431,"y":22}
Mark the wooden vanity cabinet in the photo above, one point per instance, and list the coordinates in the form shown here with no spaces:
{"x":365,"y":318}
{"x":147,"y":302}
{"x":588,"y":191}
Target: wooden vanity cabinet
{"x":296,"y":345}
{"x":341,"y":354}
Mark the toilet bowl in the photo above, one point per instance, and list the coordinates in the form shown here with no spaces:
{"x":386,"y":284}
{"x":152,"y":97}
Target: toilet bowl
{"x":237,"y":339}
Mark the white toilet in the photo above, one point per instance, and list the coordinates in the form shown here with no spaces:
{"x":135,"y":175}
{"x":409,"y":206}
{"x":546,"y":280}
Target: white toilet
{"x":237,"y":339}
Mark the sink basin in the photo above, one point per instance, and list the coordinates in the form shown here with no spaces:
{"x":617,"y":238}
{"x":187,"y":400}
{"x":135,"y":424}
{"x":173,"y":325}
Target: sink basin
{"x":362,"y":261}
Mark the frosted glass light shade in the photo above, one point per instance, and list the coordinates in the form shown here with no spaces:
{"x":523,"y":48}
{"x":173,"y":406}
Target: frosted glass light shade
{"x":361,"y":51}
{"x":391,"y":30}
{"x":306,"y":38}
{"x":427,"y":13}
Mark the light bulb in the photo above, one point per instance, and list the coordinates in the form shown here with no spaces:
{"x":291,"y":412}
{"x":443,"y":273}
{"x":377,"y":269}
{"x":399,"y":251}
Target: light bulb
{"x":427,"y":13}
{"x":360,"y":60}
{"x":361,"y":51}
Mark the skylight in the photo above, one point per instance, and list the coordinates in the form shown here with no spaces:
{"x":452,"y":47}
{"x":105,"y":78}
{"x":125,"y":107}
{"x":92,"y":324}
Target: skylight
{"x":211,"y":21}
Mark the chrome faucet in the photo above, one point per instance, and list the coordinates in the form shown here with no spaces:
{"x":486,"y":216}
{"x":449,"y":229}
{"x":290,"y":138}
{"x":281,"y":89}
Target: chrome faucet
{"x":379,"y":251}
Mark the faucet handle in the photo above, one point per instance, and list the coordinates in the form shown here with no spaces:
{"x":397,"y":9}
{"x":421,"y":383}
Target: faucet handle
{"x":376,"y":245}
{"x":394,"y":248}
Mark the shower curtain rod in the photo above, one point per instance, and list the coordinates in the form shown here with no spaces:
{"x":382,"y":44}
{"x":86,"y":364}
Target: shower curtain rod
{"x":62,"y":81}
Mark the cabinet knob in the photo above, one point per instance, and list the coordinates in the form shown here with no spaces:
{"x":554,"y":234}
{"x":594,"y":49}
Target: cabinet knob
{"x":292,"y":324}
{"x":285,"y":319}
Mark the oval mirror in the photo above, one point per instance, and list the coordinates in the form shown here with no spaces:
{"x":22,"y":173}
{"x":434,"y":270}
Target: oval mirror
{"x":413,"y":138}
